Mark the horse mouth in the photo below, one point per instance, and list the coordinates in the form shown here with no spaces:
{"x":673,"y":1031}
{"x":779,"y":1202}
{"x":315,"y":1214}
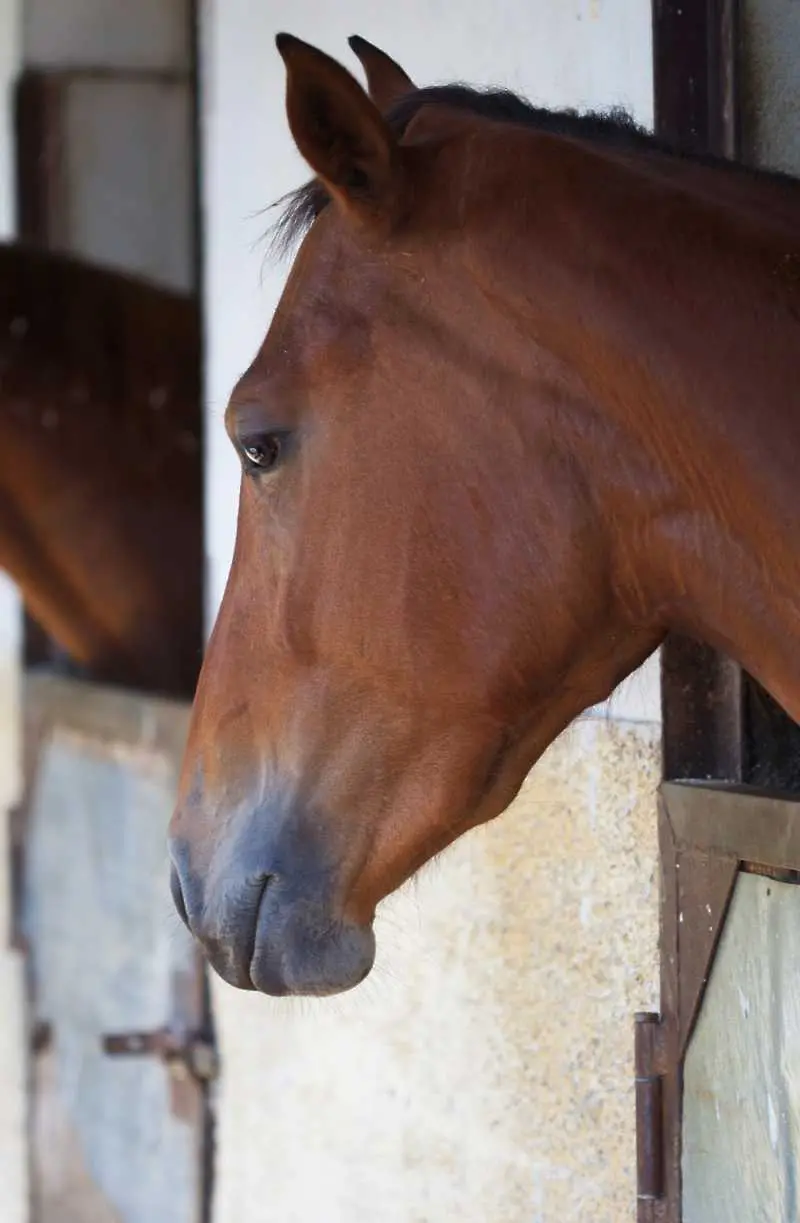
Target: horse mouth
{"x":301,"y":949}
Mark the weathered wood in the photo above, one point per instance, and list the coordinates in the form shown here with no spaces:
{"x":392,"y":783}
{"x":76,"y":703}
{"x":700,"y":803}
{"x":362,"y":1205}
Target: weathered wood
{"x":115,"y":1139}
{"x":695,"y":891}
{"x":696,"y":108}
{"x":702,"y":713}
{"x":738,"y":822}
{"x":741,"y":1129}
{"x":706,"y":833}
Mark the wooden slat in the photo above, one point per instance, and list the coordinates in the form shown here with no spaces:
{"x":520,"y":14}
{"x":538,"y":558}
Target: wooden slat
{"x":741,"y":1141}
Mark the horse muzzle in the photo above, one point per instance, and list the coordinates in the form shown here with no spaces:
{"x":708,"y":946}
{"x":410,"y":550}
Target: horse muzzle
{"x":264,"y":928}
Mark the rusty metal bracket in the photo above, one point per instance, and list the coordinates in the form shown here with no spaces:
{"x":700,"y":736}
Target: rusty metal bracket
{"x":185,"y":1053}
{"x":649,"y":1114}
{"x":41,"y":1037}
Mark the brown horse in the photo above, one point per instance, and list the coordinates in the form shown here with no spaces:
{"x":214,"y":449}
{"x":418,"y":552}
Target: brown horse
{"x":531,"y":399}
{"x":100,"y":471}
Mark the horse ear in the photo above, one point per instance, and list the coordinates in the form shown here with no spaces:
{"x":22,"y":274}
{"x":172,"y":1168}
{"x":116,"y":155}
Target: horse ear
{"x":386,"y":80}
{"x":340,"y":132}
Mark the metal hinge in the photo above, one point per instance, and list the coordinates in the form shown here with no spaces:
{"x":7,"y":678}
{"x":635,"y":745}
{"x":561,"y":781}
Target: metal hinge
{"x":185,"y":1053}
{"x":649,"y":1110}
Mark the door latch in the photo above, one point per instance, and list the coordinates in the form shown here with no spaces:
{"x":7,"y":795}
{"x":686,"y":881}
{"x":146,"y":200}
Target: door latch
{"x":184,"y":1053}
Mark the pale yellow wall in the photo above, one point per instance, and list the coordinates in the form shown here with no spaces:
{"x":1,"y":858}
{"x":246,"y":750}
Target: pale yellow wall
{"x":483,"y":1073}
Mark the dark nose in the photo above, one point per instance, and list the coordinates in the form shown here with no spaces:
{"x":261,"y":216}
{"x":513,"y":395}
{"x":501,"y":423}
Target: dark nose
{"x":177,"y":895}
{"x":277,"y":932}
{"x":226,"y":928}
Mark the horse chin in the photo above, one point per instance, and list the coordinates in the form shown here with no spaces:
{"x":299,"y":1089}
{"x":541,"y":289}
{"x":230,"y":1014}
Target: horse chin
{"x":299,"y":948}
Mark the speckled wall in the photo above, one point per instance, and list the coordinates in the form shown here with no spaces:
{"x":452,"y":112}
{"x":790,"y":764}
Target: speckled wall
{"x":484,"y":1072}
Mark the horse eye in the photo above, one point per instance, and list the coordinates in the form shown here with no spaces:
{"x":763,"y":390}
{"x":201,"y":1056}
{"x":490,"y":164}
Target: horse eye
{"x":263,"y":452}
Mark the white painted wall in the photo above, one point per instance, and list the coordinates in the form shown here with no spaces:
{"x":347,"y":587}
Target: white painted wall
{"x":13,"y":1170}
{"x":484,"y":1070}
{"x":9,"y":65}
{"x":557,"y":52}
{"x":126,"y":172}
{"x":147,"y":35}
{"x":771,"y":83}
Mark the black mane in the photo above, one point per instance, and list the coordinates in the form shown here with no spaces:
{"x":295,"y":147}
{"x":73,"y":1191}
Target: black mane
{"x":614,"y":127}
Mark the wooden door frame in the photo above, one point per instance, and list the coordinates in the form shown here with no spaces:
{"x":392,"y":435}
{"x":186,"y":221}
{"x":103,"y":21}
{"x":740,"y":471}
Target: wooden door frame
{"x":695,"y":84}
{"x":709,"y":833}
{"x":695,"y":108}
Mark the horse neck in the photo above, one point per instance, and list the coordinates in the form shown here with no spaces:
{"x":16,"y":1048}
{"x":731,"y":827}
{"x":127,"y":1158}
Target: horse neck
{"x":103,"y":549}
{"x":674,"y":290}
{"x":97,"y":568}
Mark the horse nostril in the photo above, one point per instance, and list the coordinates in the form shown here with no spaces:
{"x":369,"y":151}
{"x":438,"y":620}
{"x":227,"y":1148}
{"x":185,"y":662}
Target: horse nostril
{"x":177,"y":896}
{"x":263,"y":884}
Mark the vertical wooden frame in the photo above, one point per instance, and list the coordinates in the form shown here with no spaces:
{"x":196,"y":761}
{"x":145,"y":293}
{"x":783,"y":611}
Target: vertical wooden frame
{"x":695,"y":88}
{"x":703,"y":693}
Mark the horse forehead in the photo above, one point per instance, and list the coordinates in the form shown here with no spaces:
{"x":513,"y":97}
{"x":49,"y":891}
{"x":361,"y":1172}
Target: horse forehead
{"x":328,"y":325}
{"x":328,"y":309}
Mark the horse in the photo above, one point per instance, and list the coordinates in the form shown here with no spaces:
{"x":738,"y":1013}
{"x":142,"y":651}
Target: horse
{"x":100,"y":465}
{"x":528,"y":403}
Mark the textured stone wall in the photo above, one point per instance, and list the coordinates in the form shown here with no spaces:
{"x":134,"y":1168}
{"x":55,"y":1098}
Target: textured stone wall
{"x":484,"y":1071}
